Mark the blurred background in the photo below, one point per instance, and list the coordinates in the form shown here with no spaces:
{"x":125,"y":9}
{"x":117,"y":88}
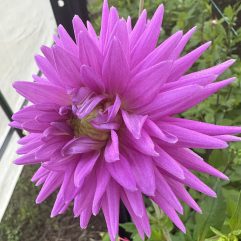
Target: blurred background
{"x":26,"y":25}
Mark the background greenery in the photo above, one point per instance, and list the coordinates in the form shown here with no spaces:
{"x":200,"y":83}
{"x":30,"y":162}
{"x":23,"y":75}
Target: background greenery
{"x":221,"y":218}
{"x":218,"y":21}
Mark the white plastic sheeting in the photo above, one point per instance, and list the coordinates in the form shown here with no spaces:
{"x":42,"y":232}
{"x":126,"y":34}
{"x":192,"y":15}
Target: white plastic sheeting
{"x":25,"y":25}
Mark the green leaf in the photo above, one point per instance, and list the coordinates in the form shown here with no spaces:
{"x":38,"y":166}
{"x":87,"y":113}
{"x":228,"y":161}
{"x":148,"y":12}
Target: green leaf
{"x":105,"y":237}
{"x":231,"y":197}
{"x":217,"y":232}
{"x":129,"y":227}
{"x":235,"y":221}
{"x":237,"y":232}
{"x":136,"y":237}
{"x":213,"y":215}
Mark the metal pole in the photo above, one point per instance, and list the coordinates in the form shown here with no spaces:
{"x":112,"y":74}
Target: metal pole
{"x":8,"y":111}
{"x":65,"y":12}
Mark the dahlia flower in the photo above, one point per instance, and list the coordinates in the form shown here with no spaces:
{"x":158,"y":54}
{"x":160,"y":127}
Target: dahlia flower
{"x":103,"y":123}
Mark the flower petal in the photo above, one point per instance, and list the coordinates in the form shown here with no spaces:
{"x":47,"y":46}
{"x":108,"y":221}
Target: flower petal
{"x":81,"y":145}
{"x":134,"y":123}
{"x":115,"y":68}
{"x":103,"y":178}
{"x":41,"y":93}
{"x":91,"y":80}
{"x":121,"y":172}
{"x":185,"y":62}
{"x":167,"y":163}
{"x":112,"y":148}
{"x":84,"y":167}
{"x":193,"y":139}
{"x":148,"y":40}
{"x":144,"y":87}
{"x":143,"y":171}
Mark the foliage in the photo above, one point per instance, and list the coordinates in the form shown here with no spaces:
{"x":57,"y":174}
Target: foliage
{"x":221,"y":218}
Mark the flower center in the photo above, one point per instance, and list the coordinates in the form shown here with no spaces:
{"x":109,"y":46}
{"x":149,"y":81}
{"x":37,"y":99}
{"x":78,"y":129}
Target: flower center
{"x":83,"y":127}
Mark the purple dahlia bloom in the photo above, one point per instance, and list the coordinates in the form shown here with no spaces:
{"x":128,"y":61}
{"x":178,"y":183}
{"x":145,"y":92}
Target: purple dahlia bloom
{"x":103,"y":121}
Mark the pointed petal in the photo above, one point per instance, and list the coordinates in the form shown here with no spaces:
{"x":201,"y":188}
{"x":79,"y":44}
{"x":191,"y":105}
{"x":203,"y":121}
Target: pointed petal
{"x":184,"y":63}
{"x":103,"y":178}
{"x":142,"y":224}
{"x":113,"y":200}
{"x":129,"y":25}
{"x":228,"y":138}
{"x":190,"y":79}
{"x":193,"y":99}
{"x":169,"y":101}
{"x":84,"y":197}
{"x":155,"y":131}
{"x":168,"y":164}
{"x":27,"y":159}
{"x":136,"y":202}
{"x":121,"y":172}
{"x":183,"y":194}
{"x":170,"y":212}
{"x":205,"y":128}
{"x":29,"y":147}
{"x":165,"y":191}
{"x":181,"y":45}
{"x":112,"y":148}
{"x":84,"y":167}
{"x":104,"y":22}
{"x":67,"y":67}
{"x":78,"y":26}
{"x":89,"y":53}
{"x":113,"y":110}
{"x":143,"y":171}
{"x":161,"y":53}
{"x":138,"y":29}
{"x":193,"y":139}
{"x":91,"y":79}
{"x":115,"y":68}
{"x":40,"y":93}
{"x":48,"y":70}
{"x":192,"y":161}
{"x":113,"y":19}
{"x":148,"y":40}
{"x":134,"y":123}
{"x":52,"y":182}
{"x":144,"y":145}
{"x":41,"y":172}
{"x":92,"y":33}
{"x":87,"y":106}
{"x":205,"y":93}
{"x":195,"y":183}
{"x":68,"y":187}
{"x":120,"y":32}
{"x":85,"y":218}
{"x":46,"y":150}
{"x":144,"y":87}
{"x":67,"y":41}
{"x":81,"y":145}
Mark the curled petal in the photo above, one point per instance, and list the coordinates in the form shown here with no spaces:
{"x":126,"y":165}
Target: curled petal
{"x":112,"y":148}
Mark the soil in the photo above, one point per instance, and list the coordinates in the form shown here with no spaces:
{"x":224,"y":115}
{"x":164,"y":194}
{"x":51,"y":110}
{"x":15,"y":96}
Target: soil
{"x":26,"y":221}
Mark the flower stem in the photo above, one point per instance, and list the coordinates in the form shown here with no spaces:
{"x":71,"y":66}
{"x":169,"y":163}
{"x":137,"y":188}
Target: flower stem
{"x":141,"y":6}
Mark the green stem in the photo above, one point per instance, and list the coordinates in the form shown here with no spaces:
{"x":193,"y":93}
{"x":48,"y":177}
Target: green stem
{"x":223,"y":16}
{"x":159,"y":215}
{"x":141,"y":6}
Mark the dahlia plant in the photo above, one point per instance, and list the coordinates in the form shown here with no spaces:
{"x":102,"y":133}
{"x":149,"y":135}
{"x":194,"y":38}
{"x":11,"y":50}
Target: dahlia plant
{"x":103,"y":121}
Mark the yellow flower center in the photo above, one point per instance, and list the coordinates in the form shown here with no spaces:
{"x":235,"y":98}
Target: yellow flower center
{"x":83,"y":127}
